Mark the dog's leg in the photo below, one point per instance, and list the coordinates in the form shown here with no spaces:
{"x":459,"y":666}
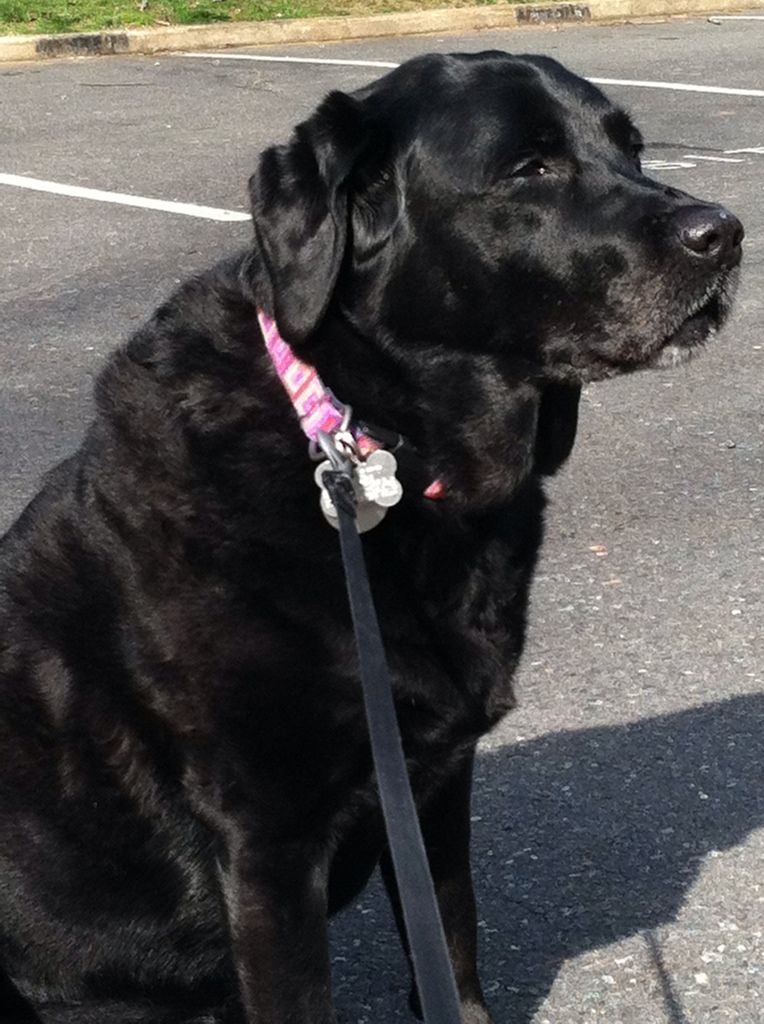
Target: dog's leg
{"x":446,"y":830}
{"x":276,"y":898}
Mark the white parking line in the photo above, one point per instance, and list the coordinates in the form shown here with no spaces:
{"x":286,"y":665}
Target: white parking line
{"x":678,"y":87}
{"x":714,"y":159}
{"x":294,"y":60}
{"x":668,"y":165}
{"x":748,"y":149}
{"x":168,"y":206}
{"x":630,"y":82}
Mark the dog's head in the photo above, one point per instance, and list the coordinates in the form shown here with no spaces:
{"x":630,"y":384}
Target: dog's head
{"x":501,"y":201}
{"x":493,"y":207}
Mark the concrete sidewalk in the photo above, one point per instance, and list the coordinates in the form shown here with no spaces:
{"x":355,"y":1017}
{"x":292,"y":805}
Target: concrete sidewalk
{"x":175,"y":38}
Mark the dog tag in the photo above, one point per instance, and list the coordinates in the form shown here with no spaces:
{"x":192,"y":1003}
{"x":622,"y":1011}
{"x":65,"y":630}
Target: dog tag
{"x":377,"y":480}
{"x":368,"y":514}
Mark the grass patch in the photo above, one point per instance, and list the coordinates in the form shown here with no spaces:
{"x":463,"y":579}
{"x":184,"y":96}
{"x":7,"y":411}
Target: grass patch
{"x":49,"y":16}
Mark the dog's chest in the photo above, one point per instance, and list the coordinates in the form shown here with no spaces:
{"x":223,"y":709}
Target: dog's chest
{"x":453,"y":614}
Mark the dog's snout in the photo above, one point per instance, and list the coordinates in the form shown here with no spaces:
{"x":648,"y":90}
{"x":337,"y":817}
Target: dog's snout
{"x":710,"y":233}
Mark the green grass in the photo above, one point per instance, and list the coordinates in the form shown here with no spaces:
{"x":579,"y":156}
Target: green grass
{"x":46,"y":16}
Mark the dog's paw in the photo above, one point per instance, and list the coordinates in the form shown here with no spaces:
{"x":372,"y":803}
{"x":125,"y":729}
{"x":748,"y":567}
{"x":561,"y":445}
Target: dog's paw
{"x":475,"y":1013}
{"x":472,"y":1012}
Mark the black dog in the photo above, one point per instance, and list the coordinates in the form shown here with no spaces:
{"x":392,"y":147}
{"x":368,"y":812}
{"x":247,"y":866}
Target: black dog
{"x":186,"y":789}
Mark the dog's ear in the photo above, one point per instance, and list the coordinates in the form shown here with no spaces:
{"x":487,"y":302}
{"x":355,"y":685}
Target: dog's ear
{"x":377,"y":197}
{"x":557,"y":424}
{"x":299,"y":197}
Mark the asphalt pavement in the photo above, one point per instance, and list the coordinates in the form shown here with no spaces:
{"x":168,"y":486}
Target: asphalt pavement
{"x":619,"y":813}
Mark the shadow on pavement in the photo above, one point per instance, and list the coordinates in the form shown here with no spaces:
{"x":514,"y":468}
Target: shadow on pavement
{"x":583,"y":838}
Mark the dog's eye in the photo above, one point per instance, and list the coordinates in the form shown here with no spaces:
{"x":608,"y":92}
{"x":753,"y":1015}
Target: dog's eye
{"x":529,"y":168}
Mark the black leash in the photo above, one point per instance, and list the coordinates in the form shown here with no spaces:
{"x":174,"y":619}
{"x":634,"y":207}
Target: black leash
{"x":427,"y":943}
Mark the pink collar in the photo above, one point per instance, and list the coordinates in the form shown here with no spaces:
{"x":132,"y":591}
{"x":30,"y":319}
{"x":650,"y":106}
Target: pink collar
{"x":314,"y":403}
{"x":316,"y":406}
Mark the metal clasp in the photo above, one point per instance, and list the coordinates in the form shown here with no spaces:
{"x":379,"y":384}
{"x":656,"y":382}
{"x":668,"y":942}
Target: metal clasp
{"x":331,"y":447}
{"x":341,"y":445}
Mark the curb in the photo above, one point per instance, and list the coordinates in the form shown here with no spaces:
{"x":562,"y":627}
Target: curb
{"x":321,"y":30}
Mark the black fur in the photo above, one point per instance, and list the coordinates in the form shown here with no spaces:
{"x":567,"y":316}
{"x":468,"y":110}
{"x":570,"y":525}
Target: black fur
{"x":186,"y":790}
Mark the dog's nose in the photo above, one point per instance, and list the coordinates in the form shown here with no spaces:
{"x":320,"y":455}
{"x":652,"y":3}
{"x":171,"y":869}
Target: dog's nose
{"x":710,"y":233}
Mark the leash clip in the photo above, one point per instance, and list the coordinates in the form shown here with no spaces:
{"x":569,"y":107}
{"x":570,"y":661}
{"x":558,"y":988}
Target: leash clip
{"x":336,"y":449}
{"x":373,"y":487}
{"x":340,"y":444}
